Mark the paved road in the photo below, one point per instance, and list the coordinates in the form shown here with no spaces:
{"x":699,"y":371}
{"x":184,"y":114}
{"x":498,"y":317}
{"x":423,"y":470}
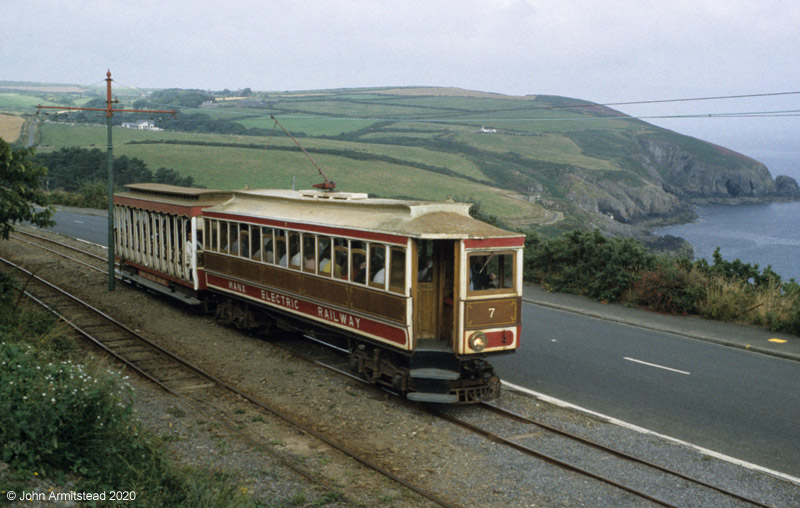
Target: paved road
{"x":92,"y":227}
{"x":733,"y":401}
{"x":720,"y":386}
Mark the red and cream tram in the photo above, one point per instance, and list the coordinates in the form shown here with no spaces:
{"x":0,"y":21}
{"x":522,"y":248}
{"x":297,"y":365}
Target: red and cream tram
{"x":420,"y":293}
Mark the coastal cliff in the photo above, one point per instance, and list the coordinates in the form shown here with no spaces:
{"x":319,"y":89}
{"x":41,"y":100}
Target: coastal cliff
{"x":668,"y":173}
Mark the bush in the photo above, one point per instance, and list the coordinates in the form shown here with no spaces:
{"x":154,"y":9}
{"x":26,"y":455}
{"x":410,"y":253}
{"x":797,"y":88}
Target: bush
{"x":667,"y":288}
{"x":586,"y":263}
{"x":60,"y":417}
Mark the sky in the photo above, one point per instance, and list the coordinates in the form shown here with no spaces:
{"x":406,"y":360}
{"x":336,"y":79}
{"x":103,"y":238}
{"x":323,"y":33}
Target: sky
{"x":603,"y":51}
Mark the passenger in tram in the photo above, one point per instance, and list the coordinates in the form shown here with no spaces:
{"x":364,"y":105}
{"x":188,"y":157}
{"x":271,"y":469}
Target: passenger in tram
{"x":189,"y":252}
{"x":377,"y":264}
{"x":243,"y":242}
{"x":267,"y":248}
{"x":425,"y":270}
{"x":308,"y":262}
{"x":294,"y":246}
{"x":325,"y":267}
{"x":192,"y":247}
{"x":295,"y":261}
{"x":479,"y":279}
{"x":340,"y":250}
{"x":380,"y":276}
{"x":360,"y":272}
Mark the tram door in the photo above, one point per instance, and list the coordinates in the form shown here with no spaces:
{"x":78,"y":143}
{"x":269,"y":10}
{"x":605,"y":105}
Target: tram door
{"x":433,"y":316}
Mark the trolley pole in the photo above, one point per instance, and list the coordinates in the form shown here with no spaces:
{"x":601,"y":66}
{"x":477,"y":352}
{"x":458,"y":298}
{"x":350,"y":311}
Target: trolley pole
{"x":109,"y":111}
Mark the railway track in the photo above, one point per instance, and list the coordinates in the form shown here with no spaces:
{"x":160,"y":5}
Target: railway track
{"x":519,"y":431}
{"x":523,"y":432}
{"x":518,"y":440}
{"x":170,"y":372}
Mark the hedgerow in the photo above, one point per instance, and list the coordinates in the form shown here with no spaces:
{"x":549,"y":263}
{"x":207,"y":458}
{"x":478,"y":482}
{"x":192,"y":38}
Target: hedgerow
{"x":614,"y":269}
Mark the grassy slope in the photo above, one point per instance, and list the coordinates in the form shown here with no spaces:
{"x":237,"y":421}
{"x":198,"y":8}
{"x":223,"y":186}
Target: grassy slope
{"x":421,"y":143}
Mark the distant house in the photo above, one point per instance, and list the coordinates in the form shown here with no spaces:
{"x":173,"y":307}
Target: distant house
{"x":488,"y":130}
{"x":142,"y":125}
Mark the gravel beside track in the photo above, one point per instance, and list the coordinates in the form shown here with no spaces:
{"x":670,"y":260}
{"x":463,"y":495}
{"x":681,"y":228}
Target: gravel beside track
{"x":460,"y":466}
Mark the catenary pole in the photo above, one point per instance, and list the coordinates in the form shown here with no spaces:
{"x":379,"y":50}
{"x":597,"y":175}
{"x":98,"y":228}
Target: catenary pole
{"x":110,"y":150}
{"x":109,"y":111}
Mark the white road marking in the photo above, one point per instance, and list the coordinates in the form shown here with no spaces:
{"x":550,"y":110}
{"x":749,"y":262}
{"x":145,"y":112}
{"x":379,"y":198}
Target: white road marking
{"x":77,"y":221}
{"x":658,"y":366}
{"x":614,"y":421}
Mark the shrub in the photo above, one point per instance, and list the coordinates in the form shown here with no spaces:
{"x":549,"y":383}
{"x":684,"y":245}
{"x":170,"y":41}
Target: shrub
{"x":667,"y":288}
{"x":586,"y":263}
{"x":60,"y":417}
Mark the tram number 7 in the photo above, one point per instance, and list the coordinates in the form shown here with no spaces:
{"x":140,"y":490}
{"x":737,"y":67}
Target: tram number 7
{"x":491,"y":312}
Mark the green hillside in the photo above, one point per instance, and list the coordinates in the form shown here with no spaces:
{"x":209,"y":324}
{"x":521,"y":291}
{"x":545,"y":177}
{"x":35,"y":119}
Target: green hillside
{"x":530,"y":160}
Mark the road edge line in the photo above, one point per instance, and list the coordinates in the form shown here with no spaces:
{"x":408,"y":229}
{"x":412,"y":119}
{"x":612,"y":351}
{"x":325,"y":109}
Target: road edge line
{"x":642,"y":430}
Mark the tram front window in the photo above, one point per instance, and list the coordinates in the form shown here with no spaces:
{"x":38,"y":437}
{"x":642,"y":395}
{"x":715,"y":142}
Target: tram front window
{"x":491,"y":271}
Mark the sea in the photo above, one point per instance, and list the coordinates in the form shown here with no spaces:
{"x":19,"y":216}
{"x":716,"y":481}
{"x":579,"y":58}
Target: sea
{"x":766,"y":234}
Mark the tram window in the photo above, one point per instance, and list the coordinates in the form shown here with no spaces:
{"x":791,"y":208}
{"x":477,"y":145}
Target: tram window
{"x":200,"y":240}
{"x":294,"y":250}
{"x":425,"y":261}
{"x":491,"y":271}
{"x":255,"y":242}
{"x":340,"y":255}
{"x":281,"y":252}
{"x":397,"y":270}
{"x":233,"y":237}
{"x":324,"y":255}
{"x":265,"y":251}
{"x":377,"y":266}
{"x":358,"y":262}
{"x":309,"y":253}
{"x":224,"y":242}
{"x":241,"y":241}
{"x":212,"y":238}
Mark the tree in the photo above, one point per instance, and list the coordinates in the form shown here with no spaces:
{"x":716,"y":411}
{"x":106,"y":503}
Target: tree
{"x":21,"y":190}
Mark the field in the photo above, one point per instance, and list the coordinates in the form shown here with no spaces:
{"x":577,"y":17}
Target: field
{"x":271,"y":162}
{"x":10,"y":127}
{"x":516,"y":156}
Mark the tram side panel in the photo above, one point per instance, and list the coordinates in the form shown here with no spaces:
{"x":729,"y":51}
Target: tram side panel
{"x":312,"y":277}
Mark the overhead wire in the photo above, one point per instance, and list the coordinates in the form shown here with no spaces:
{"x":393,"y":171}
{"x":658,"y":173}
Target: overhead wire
{"x":450,"y":117}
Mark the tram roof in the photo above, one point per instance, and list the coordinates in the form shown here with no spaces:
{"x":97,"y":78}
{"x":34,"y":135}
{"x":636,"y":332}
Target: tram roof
{"x":415,"y":219}
{"x":174,"y":195}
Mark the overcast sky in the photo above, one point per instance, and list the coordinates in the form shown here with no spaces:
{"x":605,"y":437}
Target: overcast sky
{"x":602,"y":51}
